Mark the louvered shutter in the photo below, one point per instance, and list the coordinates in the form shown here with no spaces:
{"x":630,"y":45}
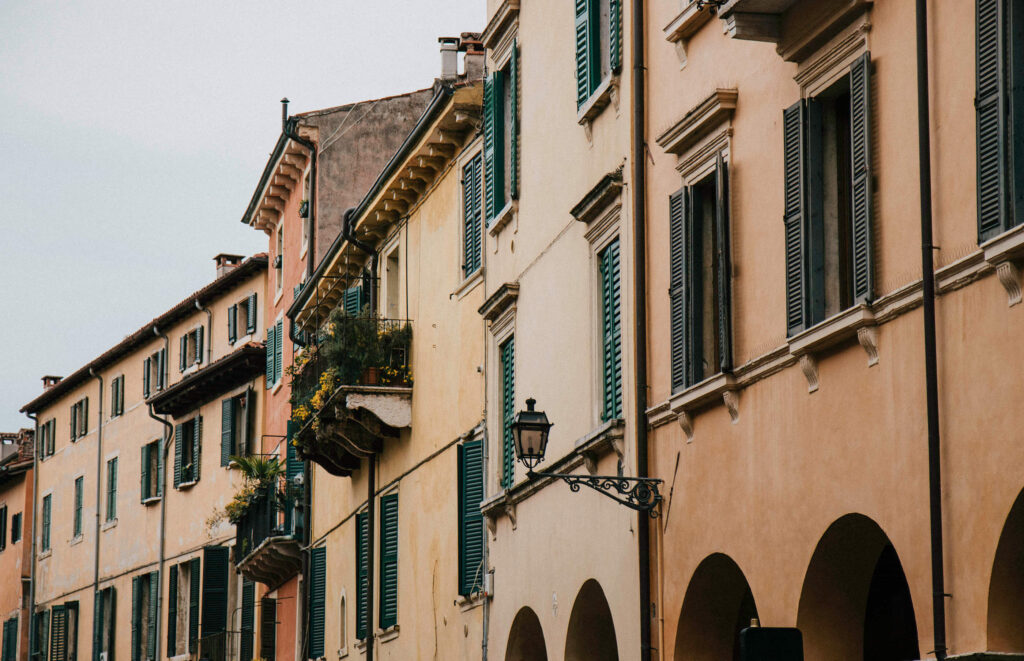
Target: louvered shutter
{"x":362,"y":574}
{"x":353,"y":300}
{"x":279,"y":353}
{"x":41,"y":631}
{"x":585,"y":47}
{"x":197,"y":447}
{"x":677,"y":281}
{"x":178,"y":448}
{"x":172,"y":611}
{"x":97,"y":626}
{"x":494,"y":144}
{"x":153,"y":614}
{"x":270,"y":357}
{"x":58,"y":634}
{"x":724,"y":258}
{"x":228,"y":409}
{"x":615,"y":35}
{"x":292,"y":463}
{"x":112,"y":626}
{"x":146,"y":369}
{"x":611,"y":332}
{"x":860,"y":149}
{"x":990,"y":103}
{"x":144,"y":485}
{"x":232,"y":323}
{"x":199,"y":345}
{"x":793,"y":165}
{"x":161,"y":377}
{"x":160,"y":450}
{"x":508,"y":400}
{"x":471,"y":234}
{"x":388,"y":561}
{"x":317,"y":600}
{"x":250,"y":315}
{"x":84,"y":422}
{"x":193,"y":604}
{"x":248,"y":620}
{"x":471,"y":521}
{"x":183,"y":353}
{"x":215,"y":590}
{"x":268,"y":629}
{"x":136,"y":612}
{"x":693,"y":288}
{"x":513,"y":118}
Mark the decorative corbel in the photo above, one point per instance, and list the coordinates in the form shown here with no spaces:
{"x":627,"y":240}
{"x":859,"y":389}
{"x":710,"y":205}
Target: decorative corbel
{"x":868,"y":338}
{"x":492,"y":526}
{"x":588,"y":130}
{"x":810,"y":369}
{"x":732,"y":402}
{"x":1009,"y":277}
{"x":686,"y":423}
{"x":510,"y":509}
{"x":613,"y":92}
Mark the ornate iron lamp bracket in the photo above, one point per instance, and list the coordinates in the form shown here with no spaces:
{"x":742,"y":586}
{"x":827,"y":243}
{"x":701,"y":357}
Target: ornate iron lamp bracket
{"x":638,"y":493}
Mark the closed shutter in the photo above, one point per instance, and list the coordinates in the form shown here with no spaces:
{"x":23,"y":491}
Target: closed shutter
{"x":136,"y":613}
{"x":317,"y":600}
{"x":232,"y":323}
{"x":172,"y":611}
{"x":268,"y":629}
{"x":508,"y":401}
{"x":724,"y":259}
{"x":146,"y":369}
{"x":245,"y":445}
{"x":42,"y":635}
{"x":990,"y":102}
{"x":793,"y":165}
{"x":677,"y":287}
{"x":58,"y":633}
{"x":292,"y":463}
{"x":47,"y":501}
{"x":215,"y":589}
{"x":3,"y":527}
{"x":611,"y":330}
{"x":388,"y":561}
{"x":228,"y":408}
{"x":248,"y":620}
{"x":471,"y":216}
{"x":250,"y":316}
{"x":197,"y":447}
{"x":111,"y":626}
{"x":362,"y":574}
{"x":199,"y":345}
{"x":144,"y":486}
{"x":178,"y":443}
{"x":860,"y":149}
{"x":158,"y":447}
{"x":353,"y":300}
{"x":471,"y":521}
{"x":193,"y":604}
{"x":153,"y":614}
{"x":279,"y":354}
{"x":615,"y":35}
{"x":586,"y":47}
{"x":270,"y":357}
{"x":494,"y":144}
{"x":97,"y":626}
{"x":183,"y":353}
{"x":514,"y":119}
{"x":74,"y":422}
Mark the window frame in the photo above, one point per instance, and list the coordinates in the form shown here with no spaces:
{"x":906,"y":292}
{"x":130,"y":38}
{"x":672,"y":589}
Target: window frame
{"x":78,"y":503}
{"x":117,"y":396}
{"x":110,"y":509}
{"x":46,"y":525}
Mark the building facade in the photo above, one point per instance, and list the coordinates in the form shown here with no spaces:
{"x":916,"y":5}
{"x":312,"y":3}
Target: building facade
{"x":16,"y":476}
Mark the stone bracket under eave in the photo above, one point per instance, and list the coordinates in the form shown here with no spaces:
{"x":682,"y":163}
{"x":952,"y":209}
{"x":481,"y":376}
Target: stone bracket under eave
{"x":1005,"y":253}
{"x":273,"y":562}
{"x":684,"y":26}
{"x":392,"y":406}
{"x":685,"y":404}
{"x":857,"y":321}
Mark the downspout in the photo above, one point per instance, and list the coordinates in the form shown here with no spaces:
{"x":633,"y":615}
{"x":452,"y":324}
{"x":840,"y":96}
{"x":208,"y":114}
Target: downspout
{"x":35,"y":509}
{"x":164,"y":447}
{"x":99,"y":473}
{"x":639,"y":157}
{"x":930,"y":353}
{"x":288,"y":128}
{"x":371,"y":469}
{"x":209,"y":331}
{"x":348,"y":234}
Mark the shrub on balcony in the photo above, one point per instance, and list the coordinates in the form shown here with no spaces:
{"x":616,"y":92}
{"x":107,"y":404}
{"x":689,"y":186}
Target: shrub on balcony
{"x":260,"y":475}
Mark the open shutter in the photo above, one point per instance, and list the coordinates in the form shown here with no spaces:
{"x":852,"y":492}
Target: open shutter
{"x":161,"y":377}
{"x":136,"y":613}
{"x":508,"y":401}
{"x":183,"y":353}
{"x":178,"y":443}
{"x":160,"y":450}
{"x":694,"y":280}
{"x":494,"y":144}
{"x":471,"y":521}
{"x":248,"y":620}
{"x":860,"y":149}
{"x":793,"y":165}
{"x":585,"y":46}
{"x":352,"y":300}
{"x":471,"y":217}
{"x":199,"y":344}
{"x":97,"y":626}
{"x":58,"y":634}
{"x":172,"y":611}
{"x":144,"y":486}
{"x":611,"y":331}
{"x":676,"y":291}
{"x":197,"y":447}
{"x":250,"y":316}
{"x":724,"y":264}
{"x":215,"y":590}
{"x":232,"y":323}
{"x":514,"y":119}
{"x":279,"y":353}
{"x":317,"y":600}
{"x":292,"y":463}
{"x":146,"y":369}
{"x":154,"y":594}
{"x":270,"y":357}
{"x":111,"y":628}
{"x":193,"y":605}
{"x":615,"y":35}
{"x":990,"y":104}
{"x":362,"y":574}
{"x":228,"y":409}
{"x":268,"y":629}
{"x":388,"y":561}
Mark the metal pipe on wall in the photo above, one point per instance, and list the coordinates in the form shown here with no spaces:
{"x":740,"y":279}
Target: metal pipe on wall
{"x":99,"y":473}
{"x":36,"y":451}
{"x":164,"y":447}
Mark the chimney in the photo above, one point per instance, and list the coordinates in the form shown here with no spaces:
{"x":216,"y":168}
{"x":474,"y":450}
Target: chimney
{"x":473,"y":47}
{"x":449,"y":57}
{"x":50,"y":381}
{"x":226,"y":263}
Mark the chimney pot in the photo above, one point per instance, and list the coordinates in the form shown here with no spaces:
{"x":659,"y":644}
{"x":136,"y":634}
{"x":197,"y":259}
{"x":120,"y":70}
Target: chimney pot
{"x":226,"y":263}
{"x":50,"y":381}
{"x":449,"y":57}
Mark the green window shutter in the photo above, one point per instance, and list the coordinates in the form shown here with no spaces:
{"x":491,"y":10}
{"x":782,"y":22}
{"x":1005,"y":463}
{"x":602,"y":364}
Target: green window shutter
{"x":97,"y":626}
{"x":860,"y":148}
{"x":197,"y":447}
{"x":362,"y":574}
{"x":42,"y":633}
{"x":990,"y":103}
{"x":178,"y":447}
{"x":615,"y":35}
{"x":388,"y":561}
{"x":199,"y":345}
{"x":471,"y":521}
{"x":514,"y":119}
{"x":248,"y":620}
{"x":588,"y":70}
{"x":172,"y":611}
{"x":215,"y":590}
{"x":268,"y":629}
{"x":317,"y":600}
{"x":677,"y":287}
{"x":146,"y":368}
{"x":508,"y":402}
{"x":693,"y":288}
{"x":154,"y":594}
{"x":193,"y":605}
{"x":228,"y":409}
{"x":353,"y":300}
{"x":724,"y":258}
{"x":79,"y":496}
{"x":494,"y":144}
{"x":46,"y":521}
{"x":183,"y":353}
{"x":270,"y":356}
{"x":161,"y":377}
{"x":793,"y":167}
{"x":159,"y":447}
{"x":58,"y":634}
{"x":233,"y":323}
{"x":250,"y":316}
{"x":292,"y":463}
{"x":611,"y":326}
{"x":136,"y":612}
{"x":144,"y":486}
{"x":279,"y":354}
{"x":471,"y":232}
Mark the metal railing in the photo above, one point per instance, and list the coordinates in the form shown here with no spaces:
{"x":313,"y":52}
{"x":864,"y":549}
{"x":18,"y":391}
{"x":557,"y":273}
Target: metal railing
{"x":273,"y":513}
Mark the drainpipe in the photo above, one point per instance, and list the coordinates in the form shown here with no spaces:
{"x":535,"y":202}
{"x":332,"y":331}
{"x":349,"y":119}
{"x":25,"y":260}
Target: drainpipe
{"x":348,"y":234}
{"x":371,"y":469}
{"x":930,"y":353}
{"x":639,"y":157}
{"x":35,"y":499}
{"x":164,"y":447}
{"x":99,"y":473}
{"x":209,"y":331}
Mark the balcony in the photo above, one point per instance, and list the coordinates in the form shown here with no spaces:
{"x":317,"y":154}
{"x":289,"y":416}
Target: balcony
{"x":352,"y":391}
{"x":268,"y":536}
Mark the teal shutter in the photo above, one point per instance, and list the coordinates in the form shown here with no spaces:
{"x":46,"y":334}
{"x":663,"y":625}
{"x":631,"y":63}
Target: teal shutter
{"x":58,"y":634}
{"x":144,"y":485}
{"x":268,"y":629}
{"x":793,"y":166}
{"x":182,"y":353}
{"x":508,"y":402}
{"x":990,"y":103}
{"x":136,"y":612}
{"x":248,"y":620}
{"x":172,"y":611}
{"x":860,"y":149}
{"x":611,"y":326}
{"x":724,"y":258}
{"x":154,"y":595}
{"x":199,"y":345}
{"x":471,"y":232}
{"x":146,"y":368}
{"x":388,"y":561}
{"x":250,"y":316}
{"x":615,"y":35}
{"x":494,"y":144}
{"x":193,"y":605}
{"x":232,"y":323}
{"x":362,"y":574}
{"x":178,"y":448}
{"x":161,"y":377}
{"x":471,"y":521}
{"x":197,"y":447}
{"x":160,"y":450}
{"x":677,"y":288}
{"x":79,"y":496}
{"x":353,"y":300}
{"x":278,"y":351}
{"x":228,"y":408}
{"x":693,"y":288}
{"x":271,"y":344}
{"x":215,"y":590}
{"x":97,"y":626}
{"x":513,"y":118}
{"x":317,"y":600}
{"x":46,"y":522}
{"x":588,"y":71}
{"x":292,"y":463}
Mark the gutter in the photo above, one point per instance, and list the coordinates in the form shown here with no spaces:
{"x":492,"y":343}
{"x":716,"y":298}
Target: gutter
{"x":99,"y":474}
{"x":164,"y":448}
{"x":35,"y":511}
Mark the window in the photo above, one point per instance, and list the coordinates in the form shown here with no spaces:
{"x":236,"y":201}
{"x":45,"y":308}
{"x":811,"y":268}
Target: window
{"x":3,"y":527}
{"x":305,"y":211}
{"x":79,"y":494}
{"x":279,"y":260}
{"x":154,"y":373}
{"x":104,"y":614}
{"x":598,"y":44}
{"x":16,"y":528}
{"x":357,"y":296}
{"x":268,"y":629}
{"x":501,"y":136}
{"x":343,"y":625}
{"x":79,"y":419}
{"x":362,"y":574}
{"x":471,"y":218}
{"x":700,"y":272}
{"x":117,"y":396}
{"x":183,"y":590}
{"x":388,"y":561}
{"x":275,"y":361}
{"x":9,"y":650}
{"x":242,"y":315}
{"x":152,"y":471}
{"x":187,"y":451}
{"x":611,"y":332}
{"x":393,"y":275}
{"x":828,"y":200}
{"x":41,"y":646}
{"x":145,"y":592}
{"x":471,"y":521}
{"x":47,"y":430}
{"x":317,"y":600}
{"x":248,"y":622}
{"x":507,"y":354}
{"x":1000,"y":113}
{"x":63,"y":632}
{"x":190,"y":349}
{"x":112,"y":489}
{"x":214,"y":614}
{"x":45,"y":542}
{"x":237,"y":424}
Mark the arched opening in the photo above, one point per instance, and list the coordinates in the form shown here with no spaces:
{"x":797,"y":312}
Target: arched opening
{"x":1006,"y":589}
{"x":717,"y":605}
{"x":855,"y":604}
{"x":526,"y":639}
{"x":591,"y":631}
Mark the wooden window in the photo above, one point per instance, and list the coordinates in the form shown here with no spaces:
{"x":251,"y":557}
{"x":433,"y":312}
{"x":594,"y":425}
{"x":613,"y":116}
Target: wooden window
{"x":47,"y":442}
{"x":190,"y":349}
{"x":3,"y":527}
{"x":41,"y":642}
{"x":47,"y":509}
{"x":471,"y":521}
{"x":598,"y":38}
{"x":317,"y":600}
{"x":242,"y":318}
{"x":215,"y":591}
{"x":79,"y":496}
{"x":388,"y":561}
{"x":117,"y":396}
{"x":61,"y":633}
{"x":154,"y":373}
{"x":145,"y":592}
{"x":471,"y":217}
{"x":362,"y":574}
{"x":111,"y":489}
{"x":247,"y":623}
{"x":16,"y":528}
{"x":104,"y":621}
{"x":501,"y":136}
{"x":152,"y":471}
{"x":237,"y":424}
{"x":507,"y":355}
{"x":187,"y":451}
{"x":268,"y":629}
{"x":9,"y":649}
{"x":79,"y":419}
{"x":279,"y":260}
{"x":275,"y":358}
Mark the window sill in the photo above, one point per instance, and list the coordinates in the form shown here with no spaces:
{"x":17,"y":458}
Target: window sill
{"x":389,"y":634}
{"x":43,"y":555}
{"x":151,"y":500}
{"x":107,"y":525}
{"x":506,"y":215}
{"x":75,"y":541}
{"x":343,"y":652}
{"x":857,"y":321}
{"x":248,"y":337}
{"x":606,"y":93}
{"x":472,"y":602}
{"x":720,"y":387}
{"x":469,"y":284}
{"x":187,"y":485}
{"x":1005,"y":253}
{"x":278,"y":295}
{"x":277,"y":386}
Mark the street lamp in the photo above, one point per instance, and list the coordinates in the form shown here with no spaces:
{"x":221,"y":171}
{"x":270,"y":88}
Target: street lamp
{"x":530,"y":429}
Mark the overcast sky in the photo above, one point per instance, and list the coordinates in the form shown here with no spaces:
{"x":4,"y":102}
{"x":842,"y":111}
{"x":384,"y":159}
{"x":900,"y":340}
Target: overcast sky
{"x":133,"y":133}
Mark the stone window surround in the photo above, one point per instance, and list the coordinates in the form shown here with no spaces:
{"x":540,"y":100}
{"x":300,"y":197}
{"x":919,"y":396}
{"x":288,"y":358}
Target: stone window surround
{"x":500,"y":314}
